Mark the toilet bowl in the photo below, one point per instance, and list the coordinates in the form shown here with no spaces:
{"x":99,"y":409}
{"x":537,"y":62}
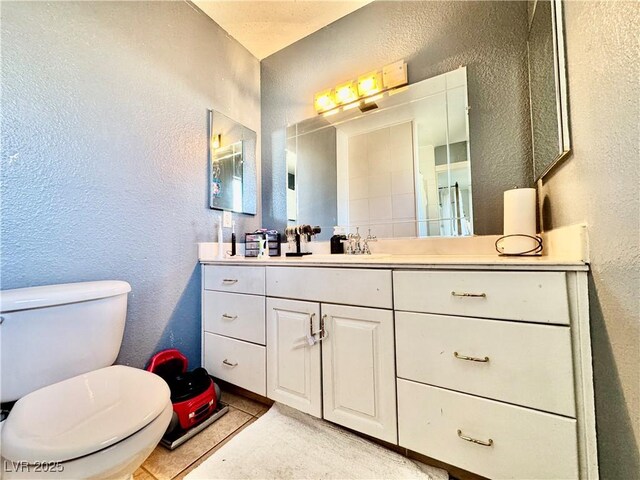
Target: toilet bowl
{"x":102,"y":424}
{"x":75,"y":417}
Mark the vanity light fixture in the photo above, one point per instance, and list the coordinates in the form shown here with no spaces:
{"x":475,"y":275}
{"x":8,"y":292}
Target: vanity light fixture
{"x":368,"y":88}
{"x":346,"y":93}
{"x":324,"y":101}
{"x":370,"y":84}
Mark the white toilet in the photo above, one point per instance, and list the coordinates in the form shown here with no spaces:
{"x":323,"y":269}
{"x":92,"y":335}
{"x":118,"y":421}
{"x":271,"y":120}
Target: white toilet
{"x":76,"y":416}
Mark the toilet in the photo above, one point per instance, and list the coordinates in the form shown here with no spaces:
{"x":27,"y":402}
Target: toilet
{"x":75,"y":414}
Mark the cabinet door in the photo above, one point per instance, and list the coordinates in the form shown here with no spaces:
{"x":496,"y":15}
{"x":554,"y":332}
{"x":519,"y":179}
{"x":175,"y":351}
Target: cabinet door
{"x":358,"y":376}
{"x":293,"y":366}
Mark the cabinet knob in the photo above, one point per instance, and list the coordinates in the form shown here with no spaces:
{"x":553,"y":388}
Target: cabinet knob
{"x":229,"y":364}
{"x":229,"y":317}
{"x":229,"y":281}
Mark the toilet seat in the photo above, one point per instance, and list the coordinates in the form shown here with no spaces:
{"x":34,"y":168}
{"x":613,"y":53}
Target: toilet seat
{"x":82,"y":415}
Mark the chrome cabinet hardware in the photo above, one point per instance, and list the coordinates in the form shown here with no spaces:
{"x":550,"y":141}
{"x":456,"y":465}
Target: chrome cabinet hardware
{"x":488,"y":443}
{"x":322,"y":332}
{"x":229,"y":281}
{"x":465,"y":294}
{"x":311,"y":317}
{"x":229,"y":364}
{"x":470,"y":359}
{"x":229,"y":317}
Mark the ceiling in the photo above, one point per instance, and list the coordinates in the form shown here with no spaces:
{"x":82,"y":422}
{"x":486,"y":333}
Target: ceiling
{"x":266,"y":26}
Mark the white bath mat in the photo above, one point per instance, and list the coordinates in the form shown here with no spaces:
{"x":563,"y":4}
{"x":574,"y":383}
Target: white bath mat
{"x":287,"y":444}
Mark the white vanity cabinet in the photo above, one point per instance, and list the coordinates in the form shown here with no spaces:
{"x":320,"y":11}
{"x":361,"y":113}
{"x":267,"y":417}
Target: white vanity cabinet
{"x":358,"y":370}
{"x":346,"y":373}
{"x":485,"y":367}
{"x":293,"y":365}
{"x":233,"y":325}
{"x":488,"y":363}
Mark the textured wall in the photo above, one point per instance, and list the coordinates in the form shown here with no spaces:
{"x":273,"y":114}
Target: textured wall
{"x":598,"y":185}
{"x":104,"y":153}
{"x":434,"y":37}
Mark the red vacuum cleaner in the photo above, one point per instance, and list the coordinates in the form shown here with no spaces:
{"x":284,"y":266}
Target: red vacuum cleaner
{"x":195,"y":396}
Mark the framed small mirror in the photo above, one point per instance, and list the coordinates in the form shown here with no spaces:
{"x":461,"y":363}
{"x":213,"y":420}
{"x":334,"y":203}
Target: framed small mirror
{"x":232,"y":165}
{"x":547,"y":85}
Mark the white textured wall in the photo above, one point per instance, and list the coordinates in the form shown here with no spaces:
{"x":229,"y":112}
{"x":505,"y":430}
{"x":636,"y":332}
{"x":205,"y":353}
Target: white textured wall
{"x":599,"y":184}
{"x":434,"y":38}
{"x":104,"y":153}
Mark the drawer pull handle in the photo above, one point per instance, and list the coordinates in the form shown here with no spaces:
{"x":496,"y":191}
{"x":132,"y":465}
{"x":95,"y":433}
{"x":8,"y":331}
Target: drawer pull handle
{"x":488,"y":443}
{"x":229,"y":317}
{"x":229,"y":281}
{"x":470,"y":359}
{"x":229,"y":364}
{"x":466,"y":294}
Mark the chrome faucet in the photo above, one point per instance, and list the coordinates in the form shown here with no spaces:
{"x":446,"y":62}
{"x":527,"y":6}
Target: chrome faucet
{"x":365,"y":243}
{"x":357,"y":245}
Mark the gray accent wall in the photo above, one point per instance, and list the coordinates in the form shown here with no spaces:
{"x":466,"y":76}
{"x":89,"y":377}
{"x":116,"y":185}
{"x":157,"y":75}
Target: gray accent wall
{"x":104,"y":153}
{"x":598,"y":185}
{"x":434,"y":38}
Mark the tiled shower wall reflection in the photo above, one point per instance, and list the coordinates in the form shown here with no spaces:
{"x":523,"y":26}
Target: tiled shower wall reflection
{"x":381,"y":182}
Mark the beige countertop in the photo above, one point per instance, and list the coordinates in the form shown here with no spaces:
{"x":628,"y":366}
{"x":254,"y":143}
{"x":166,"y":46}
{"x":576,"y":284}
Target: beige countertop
{"x":565,"y":249}
{"x":476,"y":262}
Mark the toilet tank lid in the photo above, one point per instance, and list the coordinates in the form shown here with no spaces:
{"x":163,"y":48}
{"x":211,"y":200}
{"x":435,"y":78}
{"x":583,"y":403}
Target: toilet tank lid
{"x":51,"y":295}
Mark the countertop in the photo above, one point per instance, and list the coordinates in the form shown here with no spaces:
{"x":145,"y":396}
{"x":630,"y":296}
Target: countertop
{"x":566,"y":249}
{"x":475,"y":262}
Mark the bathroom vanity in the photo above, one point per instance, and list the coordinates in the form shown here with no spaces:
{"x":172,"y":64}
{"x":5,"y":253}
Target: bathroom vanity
{"x":480,"y":362}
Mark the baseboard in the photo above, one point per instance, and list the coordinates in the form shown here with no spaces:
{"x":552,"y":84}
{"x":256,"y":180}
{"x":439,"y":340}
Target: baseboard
{"x":228,"y":387}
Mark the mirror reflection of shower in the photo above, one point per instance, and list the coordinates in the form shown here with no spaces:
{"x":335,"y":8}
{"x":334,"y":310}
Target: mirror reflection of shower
{"x":413,"y":164}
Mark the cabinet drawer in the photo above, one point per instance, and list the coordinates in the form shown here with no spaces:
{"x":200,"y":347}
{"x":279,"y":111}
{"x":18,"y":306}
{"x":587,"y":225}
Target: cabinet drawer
{"x":370,"y":288}
{"x":240,"y":363}
{"x":235,"y":315}
{"x":524,"y":443}
{"x":234,"y":279}
{"x":519,"y":363}
{"x":528,"y":296}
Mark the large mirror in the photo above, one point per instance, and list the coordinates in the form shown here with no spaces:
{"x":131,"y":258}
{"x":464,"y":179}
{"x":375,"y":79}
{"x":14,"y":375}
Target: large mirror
{"x":434,"y":158}
{"x":547,"y":85}
{"x":401,"y":168}
{"x":232,"y":165}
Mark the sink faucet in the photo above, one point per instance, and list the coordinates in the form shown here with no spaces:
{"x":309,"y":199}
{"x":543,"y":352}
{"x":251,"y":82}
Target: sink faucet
{"x":365,"y":247}
{"x":357,"y":245}
{"x":357,"y":250}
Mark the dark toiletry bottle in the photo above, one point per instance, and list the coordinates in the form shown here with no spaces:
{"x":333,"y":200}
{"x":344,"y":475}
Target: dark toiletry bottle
{"x":336,"y":240}
{"x":233,"y":239}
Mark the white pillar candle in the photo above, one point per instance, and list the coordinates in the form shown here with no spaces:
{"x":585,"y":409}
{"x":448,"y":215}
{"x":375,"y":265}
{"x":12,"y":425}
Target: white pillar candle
{"x":519,"y":218}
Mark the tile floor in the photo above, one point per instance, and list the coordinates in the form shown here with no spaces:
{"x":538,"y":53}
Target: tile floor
{"x":164,"y":464}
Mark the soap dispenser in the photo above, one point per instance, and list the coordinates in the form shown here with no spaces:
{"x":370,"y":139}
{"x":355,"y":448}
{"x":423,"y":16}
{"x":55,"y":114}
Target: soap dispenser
{"x":337,"y":246}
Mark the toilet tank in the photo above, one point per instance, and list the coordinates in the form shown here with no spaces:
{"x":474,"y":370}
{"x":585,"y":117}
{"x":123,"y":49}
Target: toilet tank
{"x":55,"y":332}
